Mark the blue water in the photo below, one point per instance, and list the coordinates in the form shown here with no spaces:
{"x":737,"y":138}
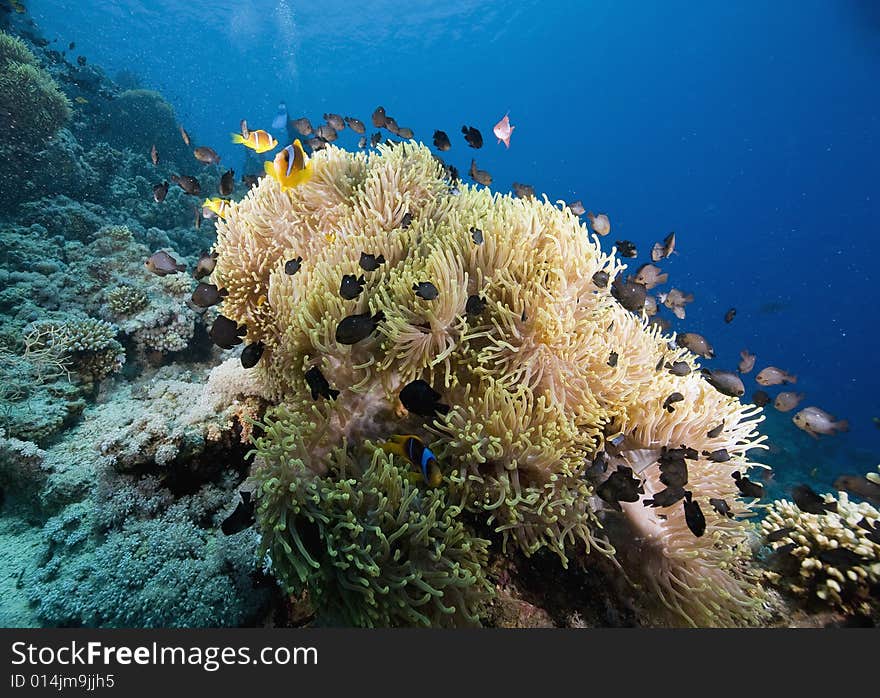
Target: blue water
{"x":748,"y":128}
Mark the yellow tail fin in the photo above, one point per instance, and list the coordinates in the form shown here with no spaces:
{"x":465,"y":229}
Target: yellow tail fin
{"x":237,"y":138}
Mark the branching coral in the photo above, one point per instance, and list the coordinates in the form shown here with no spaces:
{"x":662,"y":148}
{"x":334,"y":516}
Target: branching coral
{"x":526,"y":374}
{"x":832,"y":558}
{"x":371,"y":548}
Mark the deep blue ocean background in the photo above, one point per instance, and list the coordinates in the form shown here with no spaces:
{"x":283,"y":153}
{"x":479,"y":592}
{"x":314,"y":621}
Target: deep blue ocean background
{"x":750,"y":129}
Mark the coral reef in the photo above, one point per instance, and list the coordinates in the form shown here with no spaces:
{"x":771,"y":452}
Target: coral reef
{"x":830,"y":558}
{"x":532,"y":396}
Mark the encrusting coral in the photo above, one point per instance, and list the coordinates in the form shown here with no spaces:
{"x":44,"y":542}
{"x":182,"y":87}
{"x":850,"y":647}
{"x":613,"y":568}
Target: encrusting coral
{"x":832,"y":558}
{"x":517,"y":343}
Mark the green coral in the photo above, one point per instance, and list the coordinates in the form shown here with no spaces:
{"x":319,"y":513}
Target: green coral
{"x":371,"y":548}
{"x":35,"y":106}
{"x":125,"y":300}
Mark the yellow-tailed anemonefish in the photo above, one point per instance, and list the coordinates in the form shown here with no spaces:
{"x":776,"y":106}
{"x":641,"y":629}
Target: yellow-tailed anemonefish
{"x":260,"y":140}
{"x":291,"y":167}
{"x":217,"y":206}
{"x":413,"y":449}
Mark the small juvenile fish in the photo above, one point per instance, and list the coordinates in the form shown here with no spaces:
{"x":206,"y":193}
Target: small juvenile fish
{"x":720,"y":455}
{"x":291,"y":266}
{"x":319,"y":385}
{"x":678,"y":368}
{"x":809,"y":501}
{"x":479,"y":176}
{"x":503,"y":130}
{"x":725,"y":382}
{"x":475,"y":305}
{"x":860,"y":486}
{"x":189,"y":184}
{"x":251,"y":354}
{"x":379,"y":118}
{"x":626,"y":248}
{"x":351,"y":286}
{"x":327,"y":132}
{"x":612,"y":361}
{"x":250,"y":181}
{"x":673,"y":468}
{"x":154,"y":155}
{"x":242,"y":518}
{"x":662,"y":250}
{"x":747,"y":361}
{"x":227,"y":183}
{"x":362,"y":142}
{"x":729,"y":315}
{"x":303,"y":126}
{"x":778,"y":535}
{"x":316,"y":144}
{"x":760,"y":398}
{"x":774,"y":376}
{"x":206,"y":295}
{"x":370,"y":262}
{"x":405,"y":133}
{"x":601,"y":224}
{"x":80,"y":61}
{"x":375,"y":139}
{"x":696,"y":343}
{"x":205,"y":265}
{"x":715,"y":431}
{"x":226,"y":333}
{"x":621,"y":486}
{"x":206,"y":155}
{"x":355,"y":328}
{"x":671,"y":400}
{"x":721,"y":507}
{"x":426,"y":290}
{"x":523,"y":191}
{"x":665,"y":498}
{"x":160,"y":191}
{"x":600,"y":279}
{"x":787,"y":401}
{"x":650,"y":276}
{"x":693,"y":516}
{"x":391,"y":125}
{"x":161,"y":264}
{"x":420,"y":398}
{"x":355,"y":125}
{"x":184,"y":135}
{"x":629,"y":294}
{"x":577,"y":207}
{"x":473,"y":137}
{"x":815,"y":421}
{"x":441,"y":141}
{"x":335,"y":120}
{"x":676,"y":300}
{"x":71,"y":46}
{"x":476,"y":235}
{"x":406,"y":221}
{"x":650,"y":306}
{"x":746,"y":487}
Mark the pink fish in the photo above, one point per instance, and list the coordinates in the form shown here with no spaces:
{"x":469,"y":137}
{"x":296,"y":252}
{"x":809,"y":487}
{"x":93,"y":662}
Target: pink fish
{"x":503,"y":129}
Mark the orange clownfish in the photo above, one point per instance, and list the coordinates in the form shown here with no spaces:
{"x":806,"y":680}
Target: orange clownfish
{"x":413,"y":449}
{"x":260,"y":141}
{"x":291,"y":167}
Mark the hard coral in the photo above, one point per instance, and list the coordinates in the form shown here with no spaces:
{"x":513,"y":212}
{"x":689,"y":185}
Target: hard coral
{"x":531,"y":392}
{"x":831,"y":558}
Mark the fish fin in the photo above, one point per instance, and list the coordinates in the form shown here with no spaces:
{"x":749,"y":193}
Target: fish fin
{"x":269,"y":167}
{"x":237,"y":138}
{"x":842,"y":425}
